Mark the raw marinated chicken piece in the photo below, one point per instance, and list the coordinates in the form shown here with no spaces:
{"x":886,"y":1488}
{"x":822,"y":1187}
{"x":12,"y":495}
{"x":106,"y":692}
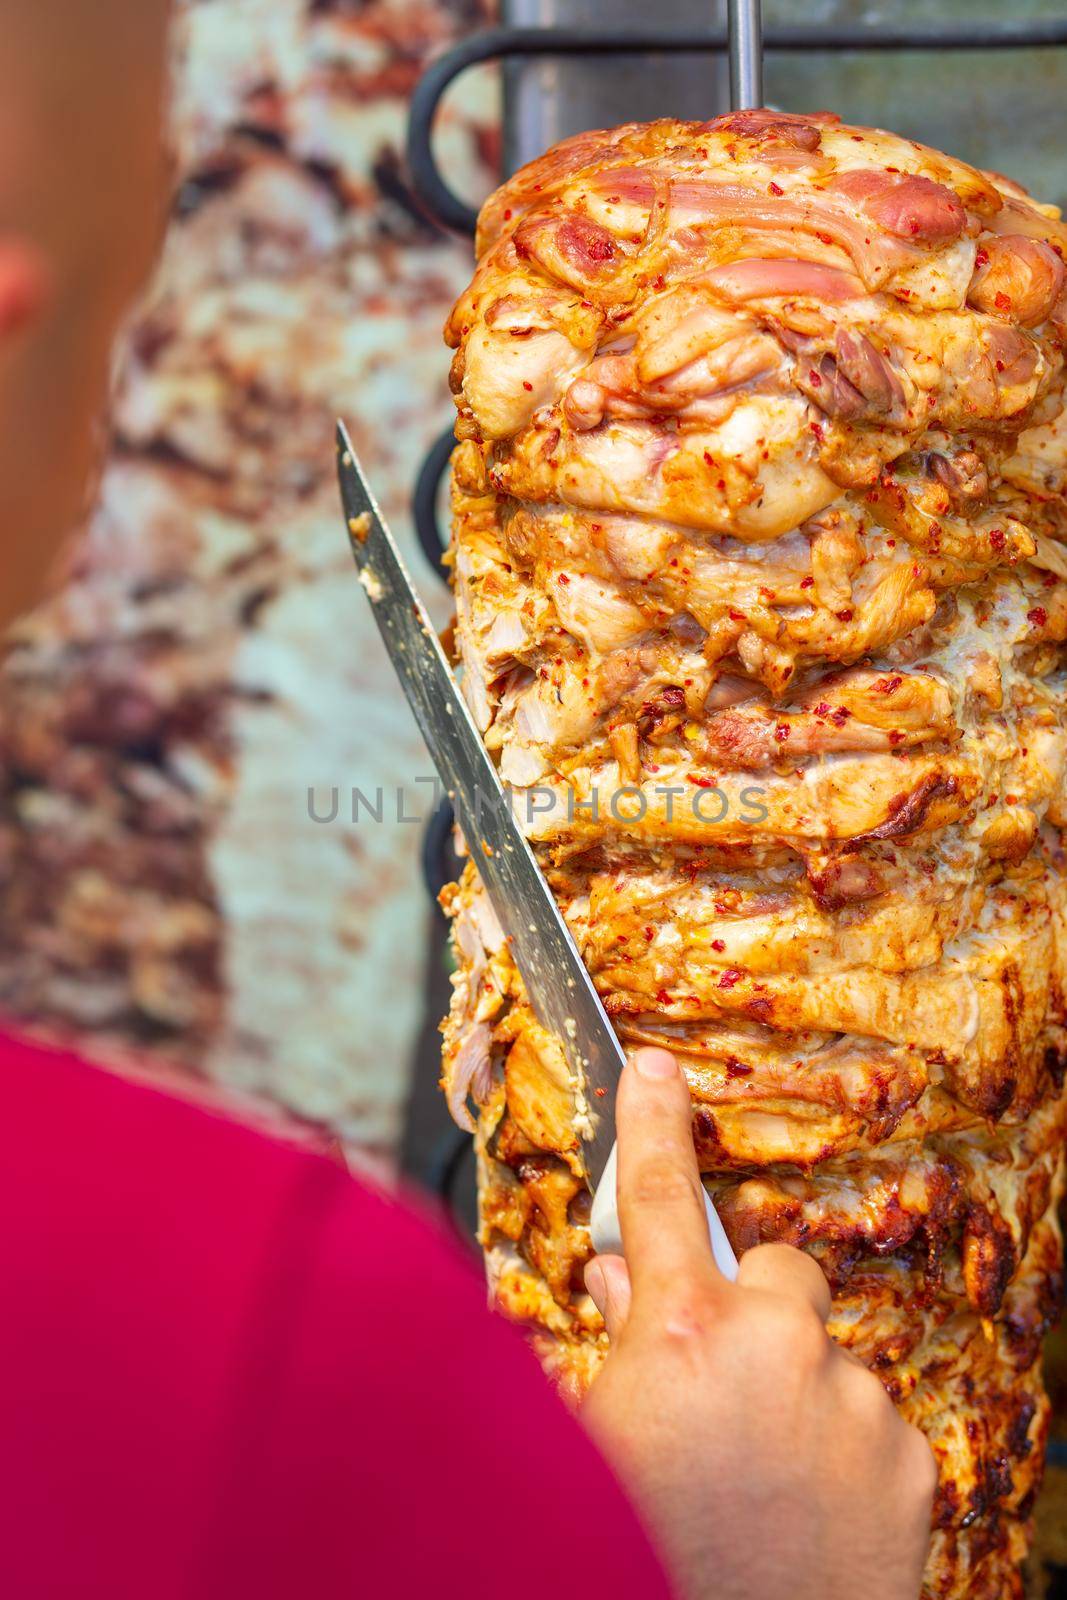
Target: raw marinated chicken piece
{"x":760,"y":545}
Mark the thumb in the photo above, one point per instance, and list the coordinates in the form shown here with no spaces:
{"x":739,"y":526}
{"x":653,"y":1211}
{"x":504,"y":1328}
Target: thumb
{"x":608,"y":1281}
{"x":661,"y":1201}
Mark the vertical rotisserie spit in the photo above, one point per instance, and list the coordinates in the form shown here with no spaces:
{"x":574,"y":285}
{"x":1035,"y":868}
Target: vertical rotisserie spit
{"x":761,"y":600}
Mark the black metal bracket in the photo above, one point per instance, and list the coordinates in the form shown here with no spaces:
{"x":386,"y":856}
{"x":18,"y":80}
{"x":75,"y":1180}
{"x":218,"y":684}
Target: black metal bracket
{"x":496,"y":43}
{"x":450,"y":1176}
{"x":440,"y":864}
{"x":424,"y":500}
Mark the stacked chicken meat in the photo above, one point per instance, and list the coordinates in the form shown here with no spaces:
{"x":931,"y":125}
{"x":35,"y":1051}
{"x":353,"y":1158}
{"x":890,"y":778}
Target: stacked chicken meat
{"x":760,"y":555}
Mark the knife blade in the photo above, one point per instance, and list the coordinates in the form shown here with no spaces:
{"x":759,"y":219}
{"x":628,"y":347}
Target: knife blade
{"x":560,"y":989}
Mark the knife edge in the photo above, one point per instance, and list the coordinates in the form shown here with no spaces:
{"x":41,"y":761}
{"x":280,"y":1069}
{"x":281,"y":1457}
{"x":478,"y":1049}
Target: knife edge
{"x":559,"y":986}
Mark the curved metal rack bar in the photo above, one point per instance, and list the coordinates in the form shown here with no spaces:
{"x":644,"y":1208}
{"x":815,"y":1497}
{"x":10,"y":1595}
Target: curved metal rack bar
{"x":495,"y":43}
{"x":424,"y":500}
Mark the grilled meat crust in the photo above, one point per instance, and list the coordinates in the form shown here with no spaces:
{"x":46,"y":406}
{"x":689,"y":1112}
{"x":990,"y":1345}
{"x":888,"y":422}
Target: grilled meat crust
{"x":759,"y":554}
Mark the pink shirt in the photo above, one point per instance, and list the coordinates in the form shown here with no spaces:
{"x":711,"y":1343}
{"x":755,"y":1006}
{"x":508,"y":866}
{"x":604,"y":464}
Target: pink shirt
{"x":229,"y":1370}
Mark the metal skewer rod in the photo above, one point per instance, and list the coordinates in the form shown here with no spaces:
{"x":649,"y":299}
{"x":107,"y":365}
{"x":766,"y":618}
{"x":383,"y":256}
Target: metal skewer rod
{"x":745,"y":27}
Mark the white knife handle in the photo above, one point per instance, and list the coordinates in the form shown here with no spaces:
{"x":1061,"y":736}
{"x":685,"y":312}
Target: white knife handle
{"x":607,"y":1235}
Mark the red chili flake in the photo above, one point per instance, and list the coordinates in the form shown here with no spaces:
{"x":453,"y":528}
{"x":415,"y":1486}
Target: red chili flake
{"x":662,"y":997}
{"x":527,"y":386}
{"x":730,"y":977}
{"x":650,"y":934}
{"x":658,"y":281}
{"x":824,"y":238}
{"x":817,"y":430}
{"x":687,"y":681}
{"x":776,"y":189}
{"x":892,"y":169}
{"x":814,"y":379}
{"x":843,"y":616}
{"x":736,"y":616}
{"x":563,"y":578}
{"x":1001,"y":301}
{"x":822,"y":709}
{"x":507,"y":215}
{"x":737,"y":1069}
{"x":896,"y":737}
{"x":996,"y":538}
{"x":701,"y":783}
{"x":718,"y":944}
{"x":982,"y":258}
{"x":781,"y":732}
{"x":1000,"y":366}
{"x":892,"y":544}
{"x":840,"y":716}
{"x":709,"y":458}
{"x":1038,"y":616}
{"x":601,"y":1092}
{"x":806,"y":583}
{"x":1011,"y":799}
{"x":889,"y":685}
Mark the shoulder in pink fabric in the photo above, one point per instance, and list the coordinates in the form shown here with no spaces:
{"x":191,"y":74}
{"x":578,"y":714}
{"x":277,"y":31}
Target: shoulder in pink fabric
{"x":229,"y":1369}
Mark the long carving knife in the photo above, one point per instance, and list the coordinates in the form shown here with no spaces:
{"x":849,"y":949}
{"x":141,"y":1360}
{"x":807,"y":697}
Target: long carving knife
{"x":557,"y":981}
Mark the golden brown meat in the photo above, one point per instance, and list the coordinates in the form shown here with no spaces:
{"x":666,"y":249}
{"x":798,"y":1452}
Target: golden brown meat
{"x":759,"y":551}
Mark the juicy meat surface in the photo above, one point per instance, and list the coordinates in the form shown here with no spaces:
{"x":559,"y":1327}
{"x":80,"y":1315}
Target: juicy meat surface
{"x":761,"y":582}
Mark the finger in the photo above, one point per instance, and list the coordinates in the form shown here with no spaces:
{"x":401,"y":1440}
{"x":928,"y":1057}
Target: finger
{"x":783,"y":1270}
{"x":661,"y":1204}
{"x":608,"y":1281}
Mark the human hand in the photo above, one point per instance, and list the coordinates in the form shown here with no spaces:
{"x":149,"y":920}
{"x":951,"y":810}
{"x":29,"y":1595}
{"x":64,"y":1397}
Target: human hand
{"x":768,"y":1462}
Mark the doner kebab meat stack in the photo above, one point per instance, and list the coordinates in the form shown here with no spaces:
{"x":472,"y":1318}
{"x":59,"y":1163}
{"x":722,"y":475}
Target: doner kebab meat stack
{"x":760,"y":559}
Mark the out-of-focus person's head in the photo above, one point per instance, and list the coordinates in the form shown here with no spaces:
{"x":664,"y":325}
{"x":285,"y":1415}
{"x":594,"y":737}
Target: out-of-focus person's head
{"x":82,"y":194}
